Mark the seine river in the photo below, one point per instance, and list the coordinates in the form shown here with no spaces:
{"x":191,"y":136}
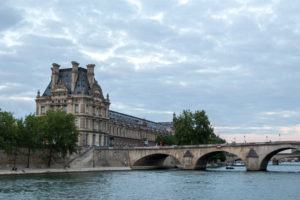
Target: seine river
{"x":280,"y":182}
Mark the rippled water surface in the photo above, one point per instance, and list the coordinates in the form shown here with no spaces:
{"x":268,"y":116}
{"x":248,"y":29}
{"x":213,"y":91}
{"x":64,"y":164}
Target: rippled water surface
{"x":280,"y":182}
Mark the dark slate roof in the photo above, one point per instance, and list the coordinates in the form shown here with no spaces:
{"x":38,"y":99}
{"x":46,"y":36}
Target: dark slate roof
{"x":167,"y":124}
{"x":65,"y":75}
{"x":134,"y":121}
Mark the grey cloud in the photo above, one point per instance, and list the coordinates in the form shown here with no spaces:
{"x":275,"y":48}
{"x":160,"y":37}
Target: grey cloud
{"x":9,"y":16}
{"x":222,"y":56}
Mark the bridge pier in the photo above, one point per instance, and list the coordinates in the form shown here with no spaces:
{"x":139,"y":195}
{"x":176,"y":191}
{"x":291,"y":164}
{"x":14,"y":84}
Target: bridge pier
{"x":253,"y":164}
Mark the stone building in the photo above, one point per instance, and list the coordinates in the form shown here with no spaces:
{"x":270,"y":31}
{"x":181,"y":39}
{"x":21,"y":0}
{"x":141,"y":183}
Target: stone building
{"x":76,"y":91}
{"x":128,"y":130}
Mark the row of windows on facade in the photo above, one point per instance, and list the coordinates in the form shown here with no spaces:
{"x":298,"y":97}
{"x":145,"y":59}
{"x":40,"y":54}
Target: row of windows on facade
{"x":93,"y":124}
{"x":100,"y":140}
{"x":94,"y":109}
{"x":123,"y":132}
{"x":64,"y":107}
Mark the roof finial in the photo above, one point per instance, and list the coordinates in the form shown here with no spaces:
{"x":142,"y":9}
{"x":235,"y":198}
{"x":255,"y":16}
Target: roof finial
{"x":107,"y":97}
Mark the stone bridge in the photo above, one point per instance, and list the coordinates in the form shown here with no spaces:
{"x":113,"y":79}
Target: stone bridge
{"x":255,"y":155}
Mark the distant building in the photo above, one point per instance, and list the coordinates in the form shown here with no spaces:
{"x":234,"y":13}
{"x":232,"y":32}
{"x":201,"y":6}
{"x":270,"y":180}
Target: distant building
{"x":169,"y":127}
{"x":76,"y":91}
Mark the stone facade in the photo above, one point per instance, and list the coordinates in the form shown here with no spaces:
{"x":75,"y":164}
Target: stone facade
{"x":133,"y":131}
{"x":76,"y":91}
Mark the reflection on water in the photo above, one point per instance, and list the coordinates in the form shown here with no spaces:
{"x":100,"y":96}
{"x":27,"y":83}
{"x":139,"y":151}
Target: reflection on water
{"x":158,"y":184}
{"x":282,"y":167}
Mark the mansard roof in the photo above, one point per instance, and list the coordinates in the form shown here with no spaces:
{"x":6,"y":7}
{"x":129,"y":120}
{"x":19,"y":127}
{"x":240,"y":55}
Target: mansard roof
{"x":65,"y":75}
{"x":135,"y":121}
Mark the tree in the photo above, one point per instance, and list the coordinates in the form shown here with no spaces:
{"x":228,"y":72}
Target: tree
{"x":166,"y":139}
{"x":32,"y":134}
{"x":194,"y":128}
{"x":9,"y":134}
{"x":60,"y":134}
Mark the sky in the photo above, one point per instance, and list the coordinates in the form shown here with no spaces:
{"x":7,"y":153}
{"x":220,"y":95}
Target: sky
{"x":237,"y":60}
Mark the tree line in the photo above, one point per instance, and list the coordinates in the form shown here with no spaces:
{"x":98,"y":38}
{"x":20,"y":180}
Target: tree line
{"x":54,"y":132}
{"x":192,"y":128}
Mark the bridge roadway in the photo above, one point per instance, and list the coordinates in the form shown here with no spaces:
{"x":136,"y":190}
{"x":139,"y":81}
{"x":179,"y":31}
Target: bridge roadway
{"x":255,"y":155}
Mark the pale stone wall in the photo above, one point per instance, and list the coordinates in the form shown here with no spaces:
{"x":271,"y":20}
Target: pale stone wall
{"x":37,"y":160}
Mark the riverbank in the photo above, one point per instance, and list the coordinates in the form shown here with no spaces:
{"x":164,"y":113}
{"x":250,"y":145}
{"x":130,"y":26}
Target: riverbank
{"x":61,"y":170}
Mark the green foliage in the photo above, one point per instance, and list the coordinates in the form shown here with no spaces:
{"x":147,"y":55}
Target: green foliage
{"x":32,"y":135}
{"x":56,"y":132}
{"x":60,"y":134}
{"x":166,"y":139}
{"x":194,"y":128}
{"x":8,"y":132}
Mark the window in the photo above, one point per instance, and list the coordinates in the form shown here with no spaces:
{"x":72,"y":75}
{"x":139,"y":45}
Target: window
{"x":76,"y":108}
{"x":104,"y":126}
{"x":59,"y":107}
{"x":93,"y":124}
{"x":52,"y":108}
{"x":93,"y":110}
{"x":99,"y":111}
{"x":104,"y":112}
{"x":42,"y":109}
{"x":86,"y":123}
{"x":65,"y":108}
{"x":99,"y":126}
{"x":86,"y":108}
{"x":76,"y":122}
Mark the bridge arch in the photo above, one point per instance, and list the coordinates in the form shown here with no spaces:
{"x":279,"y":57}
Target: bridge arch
{"x":156,"y":161}
{"x":264,"y":162}
{"x":202,"y":161}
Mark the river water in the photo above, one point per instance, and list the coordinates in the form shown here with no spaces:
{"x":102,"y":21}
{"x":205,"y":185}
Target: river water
{"x":280,"y":182}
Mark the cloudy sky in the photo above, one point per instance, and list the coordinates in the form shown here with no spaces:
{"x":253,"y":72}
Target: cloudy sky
{"x":237,"y":60}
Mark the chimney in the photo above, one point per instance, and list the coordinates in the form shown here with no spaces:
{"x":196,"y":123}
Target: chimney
{"x":90,"y":74}
{"x":55,"y":74}
{"x":74,"y":74}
